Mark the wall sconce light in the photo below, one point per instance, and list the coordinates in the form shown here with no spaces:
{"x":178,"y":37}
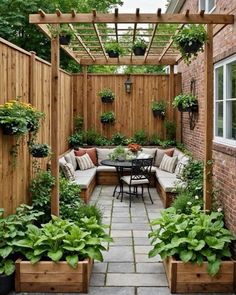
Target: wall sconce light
{"x":128,"y":84}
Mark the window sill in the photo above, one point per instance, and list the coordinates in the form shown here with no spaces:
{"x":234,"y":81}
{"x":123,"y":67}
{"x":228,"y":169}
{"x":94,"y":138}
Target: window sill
{"x":224,"y":148}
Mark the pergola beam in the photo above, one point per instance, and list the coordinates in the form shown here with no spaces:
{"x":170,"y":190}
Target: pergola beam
{"x":126,"y":61}
{"x":128,"y":18}
{"x":100,"y":40}
{"x":150,"y":42}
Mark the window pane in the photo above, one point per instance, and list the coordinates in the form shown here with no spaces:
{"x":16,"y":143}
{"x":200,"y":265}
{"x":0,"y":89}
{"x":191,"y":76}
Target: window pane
{"x":202,"y":4}
{"x":219,"y":83}
{"x":232,"y":79}
{"x":211,"y":4}
{"x":231,"y":120}
{"x":219,"y":119}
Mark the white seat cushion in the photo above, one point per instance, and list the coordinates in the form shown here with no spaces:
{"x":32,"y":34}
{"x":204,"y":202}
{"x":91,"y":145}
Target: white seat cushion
{"x":164,"y":174}
{"x":126,"y":179}
{"x":85,"y":177}
{"x":106,"y":168}
{"x":70,"y":158}
{"x":103,"y":154}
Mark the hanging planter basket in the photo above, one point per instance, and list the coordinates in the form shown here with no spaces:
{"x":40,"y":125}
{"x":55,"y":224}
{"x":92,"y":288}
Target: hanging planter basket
{"x":9,"y":129}
{"x":113,"y":54}
{"x":139,"y":51}
{"x":158,"y":114}
{"x":65,"y":39}
{"x":40,"y":150}
{"x":107,"y":99}
{"x":193,"y":108}
{"x":105,"y":121}
{"x":191,"y":47}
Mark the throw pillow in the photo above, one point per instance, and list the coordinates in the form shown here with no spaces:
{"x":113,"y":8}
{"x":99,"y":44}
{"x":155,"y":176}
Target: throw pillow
{"x":68,"y":171}
{"x":180,"y":166}
{"x":70,"y":158}
{"x":160,"y":154}
{"x":103,"y":154}
{"x":168,"y":163}
{"x":90,"y":151}
{"x":85,"y":162}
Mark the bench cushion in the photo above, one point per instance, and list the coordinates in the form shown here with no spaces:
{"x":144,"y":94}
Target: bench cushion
{"x":103,"y":154}
{"x":85,"y":177}
{"x":70,"y":158}
{"x":103,"y":168}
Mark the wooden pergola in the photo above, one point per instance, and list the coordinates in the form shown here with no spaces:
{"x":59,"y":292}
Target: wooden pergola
{"x":93,"y":30}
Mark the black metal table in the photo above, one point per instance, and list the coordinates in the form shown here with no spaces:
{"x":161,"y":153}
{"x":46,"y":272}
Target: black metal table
{"x":120,"y":167}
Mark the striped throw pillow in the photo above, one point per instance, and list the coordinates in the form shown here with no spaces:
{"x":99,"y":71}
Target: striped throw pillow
{"x":68,"y":171}
{"x":168,"y":163}
{"x":85,"y":162}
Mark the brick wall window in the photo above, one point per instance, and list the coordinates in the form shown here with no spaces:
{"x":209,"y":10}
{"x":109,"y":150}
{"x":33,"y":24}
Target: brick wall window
{"x":225,"y":101}
{"x":207,"y":5}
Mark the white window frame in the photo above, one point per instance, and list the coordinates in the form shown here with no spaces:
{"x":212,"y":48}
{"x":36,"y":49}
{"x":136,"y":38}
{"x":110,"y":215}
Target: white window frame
{"x":206,"y":6}
{"x":224,"y":63}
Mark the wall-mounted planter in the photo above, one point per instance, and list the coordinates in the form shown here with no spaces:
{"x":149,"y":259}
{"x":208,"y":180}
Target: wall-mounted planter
{"x":107,"y":99}
{"x":193,"y":108}
{"x":48,"y":276}
{"x":192,"y":278}
{"x":158,"y":114}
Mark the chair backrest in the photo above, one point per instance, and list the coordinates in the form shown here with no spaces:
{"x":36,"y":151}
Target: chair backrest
{"x":141,"y":169}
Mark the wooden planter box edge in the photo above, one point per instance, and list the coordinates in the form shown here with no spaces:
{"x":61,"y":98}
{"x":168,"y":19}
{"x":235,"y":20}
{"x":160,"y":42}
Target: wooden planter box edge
{"x":192,"y":278}
{"x":49,"y":276}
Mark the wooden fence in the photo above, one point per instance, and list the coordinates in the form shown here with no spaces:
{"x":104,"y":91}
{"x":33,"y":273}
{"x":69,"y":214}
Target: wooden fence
{"x":26,"y":76}
{"x":133,"y":111}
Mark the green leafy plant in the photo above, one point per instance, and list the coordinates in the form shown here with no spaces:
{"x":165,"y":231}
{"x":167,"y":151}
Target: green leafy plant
{"x":78,"y":123}
{"x":114,"y":48}
{"x":90,"y":136}
{"x":12,"y":229}
{"x":185,"y":101}
{"x":118,"y":139}
{"x":107,"y":95}
{"x":139,"y":43}
{"x":140,"y":137}
{"x":102,"y":140}
{"x":62,"y":240}
{"x":190,"y":41}
{"x":194,"y":237}
{"x":76,"y":140}
{"x":170,"y":127}
{"x":167,"y":143}
{"x":159,"y":108}
{"x":39,"y":150}
{"x":185,"y":201}
{"x":107,"y":117}
{"x":154,"y":139}
{"x":118,"y":154}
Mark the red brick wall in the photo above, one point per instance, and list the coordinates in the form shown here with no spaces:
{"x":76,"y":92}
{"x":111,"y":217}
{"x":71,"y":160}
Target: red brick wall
{"x":225,"y":158}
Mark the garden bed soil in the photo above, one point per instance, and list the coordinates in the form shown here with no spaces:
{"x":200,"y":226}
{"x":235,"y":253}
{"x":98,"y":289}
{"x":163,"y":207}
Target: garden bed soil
{"x":48,"y":276}
{"x":191,"y":278}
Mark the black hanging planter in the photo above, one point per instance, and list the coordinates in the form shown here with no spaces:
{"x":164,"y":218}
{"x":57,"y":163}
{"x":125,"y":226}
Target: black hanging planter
{"x":65,"y":39}
{"x":104,"y":121}
{"x":112,"y":54}
{"x":107,"y":99}
{"x":8,"y":129}
{"x":158,"y":114}
{"x":138,"y":51}
{"x":40,"y":150}
{"x":193,"y":108}
{"x":6,"y":284}
{"x":192,"y":48}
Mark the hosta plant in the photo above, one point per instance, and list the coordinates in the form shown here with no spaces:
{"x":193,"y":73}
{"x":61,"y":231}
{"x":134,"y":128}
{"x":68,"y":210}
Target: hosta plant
{"x":194,"y":237}
{"x":62,"y":240}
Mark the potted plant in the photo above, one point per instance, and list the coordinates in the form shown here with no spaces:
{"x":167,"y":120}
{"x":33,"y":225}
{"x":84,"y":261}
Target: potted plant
{"x":139,"y":47}
{"x":59,"y":255}
{"x":195,"y":248}
{"x":119,"y":154}
{"x":107,"y":118}
{"x":39,"y":150}
{"x":186,"y":103}
{"x":159,"y":108}
{"x":106,"y":95}
{"x":190,"y":41}
{"x":134,"y":147}
{"x":65,"y":35}
{"x":113,"y":49}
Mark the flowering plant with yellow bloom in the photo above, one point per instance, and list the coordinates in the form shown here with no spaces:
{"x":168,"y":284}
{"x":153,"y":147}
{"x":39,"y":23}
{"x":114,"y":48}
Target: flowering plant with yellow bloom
{"x":18,"y":118}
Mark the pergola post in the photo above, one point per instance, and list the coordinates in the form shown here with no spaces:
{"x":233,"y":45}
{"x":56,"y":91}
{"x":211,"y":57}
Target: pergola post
{"x":54,"y":124}
{"x":208,"y":118}
{"x":171,"y":91}
{"x":85,"y":92}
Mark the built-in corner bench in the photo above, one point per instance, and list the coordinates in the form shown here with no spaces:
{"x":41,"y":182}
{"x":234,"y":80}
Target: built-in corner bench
{"x":104,"y":175}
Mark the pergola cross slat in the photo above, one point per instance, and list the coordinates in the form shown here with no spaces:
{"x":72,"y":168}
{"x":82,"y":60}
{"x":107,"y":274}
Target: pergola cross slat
{"x":165,"y":57}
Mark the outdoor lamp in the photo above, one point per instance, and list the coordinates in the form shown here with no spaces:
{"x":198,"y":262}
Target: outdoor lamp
{"x":128,"y":84}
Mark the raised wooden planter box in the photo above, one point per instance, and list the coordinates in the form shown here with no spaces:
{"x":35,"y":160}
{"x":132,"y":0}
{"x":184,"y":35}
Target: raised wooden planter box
{"x":48,"y":276}
{"x":191,"y":278}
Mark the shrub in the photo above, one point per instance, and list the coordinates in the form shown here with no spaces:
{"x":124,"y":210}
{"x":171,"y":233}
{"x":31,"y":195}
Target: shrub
{"x":140,"y":137}
{"x":78,"y":123}
{"x":185,"y":201}
{"x":155,"y":140}
{"x":118,"y":139}
{"x":170,"y":127}
{"x":75,"y":140}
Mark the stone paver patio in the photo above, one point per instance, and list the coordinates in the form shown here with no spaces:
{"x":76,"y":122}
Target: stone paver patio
{"x":126,"y":269}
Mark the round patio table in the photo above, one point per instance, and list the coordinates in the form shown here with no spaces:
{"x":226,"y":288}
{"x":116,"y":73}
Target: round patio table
{"x":120,"y":167}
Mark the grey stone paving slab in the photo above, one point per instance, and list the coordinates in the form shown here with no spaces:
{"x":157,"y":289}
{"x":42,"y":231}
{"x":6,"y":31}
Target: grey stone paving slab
{"x":120,"y":219}
{"x":166,"y":291}
{"x":131,"y":226}
{"x":100,"y":267}
{"x":145,"y":258}
{"x":119,"y":254}
{"x":141,"y":241}
{"x":110,"y":291}
{"x":114,"y":279}
{"x":121,"y":233}
{"x":142,"y":249}
{"x":121,"y":214}
{"x":122,"y":241}
{"x":120,"y":267}
{"x":142,"y":219}
{"x":97,"y":279}
{"x":140,"y":234}
{"x":150,"y":267}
